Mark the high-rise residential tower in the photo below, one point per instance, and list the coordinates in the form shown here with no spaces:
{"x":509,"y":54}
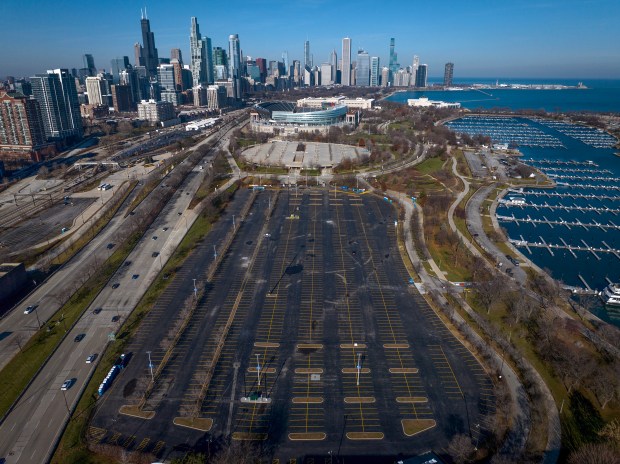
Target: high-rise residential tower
{"x":175,"y":54}
{"x":198,"y":56}
{"x":234,"y":54}
{"x":21,"y":127}
{"x":375,"y":71}
{"x":447,"y":74}
{"x":346,"y":62}
{"x":362,"y":69}
{"x":148,"y":51}
{"x":420,"y":78}
{"x":57,"y":97}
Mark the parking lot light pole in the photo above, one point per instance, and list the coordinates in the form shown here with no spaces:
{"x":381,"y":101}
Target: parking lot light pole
{"x":233,"y":217}
{"x":36,"y":313}
{"x":195,"y":289}
{"x":359,"y":367}
{"x":151,"y":366}
{"x":258,"y":368}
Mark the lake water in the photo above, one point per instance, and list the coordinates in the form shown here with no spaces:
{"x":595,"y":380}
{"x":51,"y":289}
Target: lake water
{"x":600,"y":96}
{"x":587,"y":199}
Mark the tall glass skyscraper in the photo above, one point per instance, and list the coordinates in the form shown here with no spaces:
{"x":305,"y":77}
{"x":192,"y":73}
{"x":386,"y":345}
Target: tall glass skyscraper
{"x":203,"y":69}
{"x":60,"y":109}
{"x":149,"y":52}
{"x":234,"y":54}
{"x":447,"y":74}
{"x":420,"y":77}
{"x":393,"y":66}
{"x":333,"y":60}
{"x":362,"y":69}
{"x":346,"y":61}
{"x":375,"y":71}
{"x":307,"y":60}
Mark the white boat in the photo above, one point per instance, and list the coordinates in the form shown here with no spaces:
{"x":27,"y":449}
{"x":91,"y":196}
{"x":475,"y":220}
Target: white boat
{"x":611,"y":295}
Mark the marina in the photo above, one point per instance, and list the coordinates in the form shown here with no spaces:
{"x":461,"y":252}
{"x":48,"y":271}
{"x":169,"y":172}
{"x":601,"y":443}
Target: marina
{"x":573,"y":229}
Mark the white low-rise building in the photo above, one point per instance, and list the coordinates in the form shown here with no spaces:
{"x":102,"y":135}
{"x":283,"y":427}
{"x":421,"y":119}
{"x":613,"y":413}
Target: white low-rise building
{"x":322,"y":102}
{"x":202,"y":124}
{"x":425,"y":102}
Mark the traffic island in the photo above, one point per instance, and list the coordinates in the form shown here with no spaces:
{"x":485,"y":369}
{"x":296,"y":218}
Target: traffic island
{"x":197,"y":423}
{"x":135,"y":411}
{"x":412,"y":427}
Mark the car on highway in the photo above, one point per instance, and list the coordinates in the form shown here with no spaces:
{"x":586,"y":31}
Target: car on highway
{"x":79,"y":337}
{"x":165,"y":229}
{"x":97,"y":310}
{"x":155,"y":254}
{"x":135,"y":276}
{"x":91,"y":358}
{"x":67,"y":384}
{"x":154,"y":237}
{"x":116,"y":318}
{"x":110,"y":246}
{"x":29,"y":309}
{"x":116,"y":285}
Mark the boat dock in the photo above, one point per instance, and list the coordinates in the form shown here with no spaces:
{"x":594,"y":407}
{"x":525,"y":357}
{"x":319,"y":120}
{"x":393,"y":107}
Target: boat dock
{"x":554,"y":246}
{"x":559,"y":222}
{"x":574,"y":207}
{"x":573,"y":196}
{"x":559,"y":162}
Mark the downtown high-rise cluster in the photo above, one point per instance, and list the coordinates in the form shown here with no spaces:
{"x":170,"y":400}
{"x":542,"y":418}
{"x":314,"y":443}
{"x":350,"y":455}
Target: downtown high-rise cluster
{"x":45,"y":111}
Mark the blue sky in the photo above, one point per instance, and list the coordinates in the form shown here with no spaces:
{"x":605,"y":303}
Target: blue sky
{"x":500,"y":38}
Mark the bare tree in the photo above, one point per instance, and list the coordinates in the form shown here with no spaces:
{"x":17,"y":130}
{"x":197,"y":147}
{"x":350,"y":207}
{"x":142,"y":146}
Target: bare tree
{"x":605,"y":384}
{"x":489,"y":291}
{"x":594,"y":454}
{"x":461,"y":449}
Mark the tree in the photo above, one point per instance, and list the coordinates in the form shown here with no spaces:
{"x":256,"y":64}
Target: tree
{"x":489,"y":291}
{"x":605,"y":384}
{"x":592,"y":453}
{"x":461,"y":449}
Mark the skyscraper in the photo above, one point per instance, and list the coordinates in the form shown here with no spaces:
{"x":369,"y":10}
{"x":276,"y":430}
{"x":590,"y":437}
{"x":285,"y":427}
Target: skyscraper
{"x":148,"y":50}
{"x":307,"y":60}
{"x":420,"y":78}
{"x":447,"y":75}
{"x":362,"y":69}
{"x":285,"y":61}
{"x":198,"y":55}
{"x":234,"y":54}
{"x":394,"y":65}
{"x":414,"y":69}
{"x":57,"y":97}
{"x":175,"y":54}
{"x":89,"y":63}
{"x":375,"y":71}
{"x":118,"y":65}
{"x":346,"y":61}
{"x":333,"y":60}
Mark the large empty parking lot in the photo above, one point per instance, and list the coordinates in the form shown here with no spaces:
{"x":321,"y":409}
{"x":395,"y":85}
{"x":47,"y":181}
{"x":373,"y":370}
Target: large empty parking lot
{"x":308,"y":339}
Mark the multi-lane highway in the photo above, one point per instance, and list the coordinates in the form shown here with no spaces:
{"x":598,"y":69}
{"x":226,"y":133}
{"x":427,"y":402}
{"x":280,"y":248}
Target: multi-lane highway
{"x":30,"y":430}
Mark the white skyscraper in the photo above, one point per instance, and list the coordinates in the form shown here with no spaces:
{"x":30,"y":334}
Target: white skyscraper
{"x":346,"y":61}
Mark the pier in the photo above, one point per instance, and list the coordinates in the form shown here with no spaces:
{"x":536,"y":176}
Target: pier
{"x":554,"y":246}
{"x":568,"y":248}
{"x":560,"y":163}
{"x":574,"y":207}
{"x":559,"y":222}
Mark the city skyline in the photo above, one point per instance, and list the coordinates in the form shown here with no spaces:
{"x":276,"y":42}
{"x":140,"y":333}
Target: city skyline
{"x":537,"y":39}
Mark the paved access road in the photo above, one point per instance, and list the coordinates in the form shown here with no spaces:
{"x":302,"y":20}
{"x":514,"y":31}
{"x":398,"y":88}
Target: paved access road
{"x":23,"y":438}
{"x":324,"y":324}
